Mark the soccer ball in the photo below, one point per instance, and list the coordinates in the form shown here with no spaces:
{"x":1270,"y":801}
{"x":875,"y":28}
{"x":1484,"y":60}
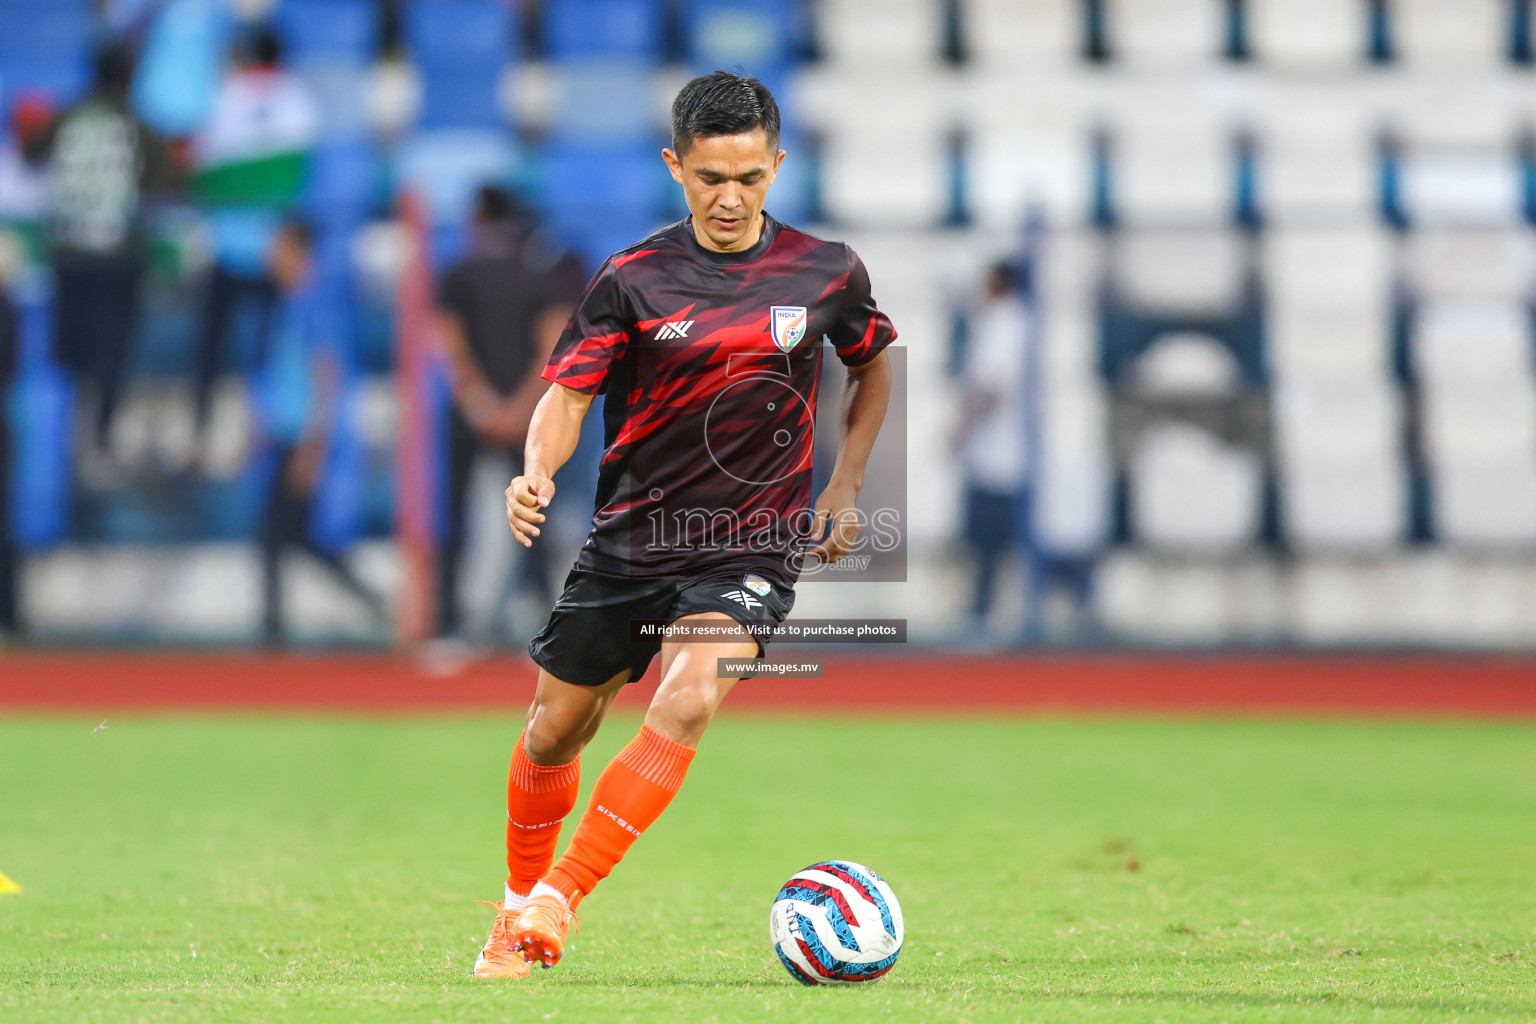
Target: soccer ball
{"x":836,"y":923}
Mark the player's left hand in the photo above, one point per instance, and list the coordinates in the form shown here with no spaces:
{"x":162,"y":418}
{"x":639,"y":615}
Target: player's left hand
{"x":836,"y":505}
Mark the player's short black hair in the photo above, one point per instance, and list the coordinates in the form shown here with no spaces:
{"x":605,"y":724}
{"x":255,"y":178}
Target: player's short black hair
{"x":723,"y":103}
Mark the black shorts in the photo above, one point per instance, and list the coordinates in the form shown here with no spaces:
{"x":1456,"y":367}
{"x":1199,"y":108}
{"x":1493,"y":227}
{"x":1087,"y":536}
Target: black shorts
{"x":587,"y":639}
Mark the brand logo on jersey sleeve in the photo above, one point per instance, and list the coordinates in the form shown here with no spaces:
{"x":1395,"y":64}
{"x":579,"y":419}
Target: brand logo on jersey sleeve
{"x":673,"y":329}
{"x":787,"y":324}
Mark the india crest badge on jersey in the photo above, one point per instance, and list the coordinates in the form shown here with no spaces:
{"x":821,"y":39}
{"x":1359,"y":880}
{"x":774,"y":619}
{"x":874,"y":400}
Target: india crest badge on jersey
{"x":787,"y":324}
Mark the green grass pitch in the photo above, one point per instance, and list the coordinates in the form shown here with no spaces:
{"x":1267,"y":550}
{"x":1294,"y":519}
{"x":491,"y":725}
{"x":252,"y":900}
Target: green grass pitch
{"x":313,"y":868}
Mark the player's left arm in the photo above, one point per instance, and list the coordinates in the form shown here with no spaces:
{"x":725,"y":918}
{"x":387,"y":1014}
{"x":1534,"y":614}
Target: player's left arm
{"x":866,"y":393}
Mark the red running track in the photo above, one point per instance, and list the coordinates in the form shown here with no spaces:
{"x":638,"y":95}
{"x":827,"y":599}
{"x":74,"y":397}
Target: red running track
{"x":1499,"y":687}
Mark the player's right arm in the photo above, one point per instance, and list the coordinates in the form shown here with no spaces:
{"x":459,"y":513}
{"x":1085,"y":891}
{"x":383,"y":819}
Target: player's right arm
{"x":596,"y":335}
{"x":552,"y":437}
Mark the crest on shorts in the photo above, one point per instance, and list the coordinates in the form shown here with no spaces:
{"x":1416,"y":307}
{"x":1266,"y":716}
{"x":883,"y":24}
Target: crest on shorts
{"x":787,"y":324}
{"x":756,"y":584}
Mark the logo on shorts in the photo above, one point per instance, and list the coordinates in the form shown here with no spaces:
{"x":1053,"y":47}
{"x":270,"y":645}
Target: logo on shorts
{"x":787,"y":324}
{"x":743,"y":598}
{"x":757,"y":585}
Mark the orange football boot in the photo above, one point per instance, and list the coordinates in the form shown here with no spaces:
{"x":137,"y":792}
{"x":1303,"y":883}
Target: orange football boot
{"x":539,"y":931}
{"x":498,"y":959}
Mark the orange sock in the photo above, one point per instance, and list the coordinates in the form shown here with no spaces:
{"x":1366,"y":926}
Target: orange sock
{"x":538,"y":799}
{"x":629,"y":796}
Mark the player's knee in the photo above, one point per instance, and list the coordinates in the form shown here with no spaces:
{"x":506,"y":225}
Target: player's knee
{"x":546,"y":742}
{"x":682,"y":714}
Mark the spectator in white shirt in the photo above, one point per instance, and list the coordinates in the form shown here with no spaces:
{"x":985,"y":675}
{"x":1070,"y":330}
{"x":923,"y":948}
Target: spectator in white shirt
{"x":993,"y":435}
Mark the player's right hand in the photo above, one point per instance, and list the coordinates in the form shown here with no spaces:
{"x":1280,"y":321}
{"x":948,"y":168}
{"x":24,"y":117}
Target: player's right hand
{"x":526,"y":496}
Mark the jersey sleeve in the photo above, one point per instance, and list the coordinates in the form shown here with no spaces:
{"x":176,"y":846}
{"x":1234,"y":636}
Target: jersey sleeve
{"x":596,"y":335}
{"x":861,"y":331}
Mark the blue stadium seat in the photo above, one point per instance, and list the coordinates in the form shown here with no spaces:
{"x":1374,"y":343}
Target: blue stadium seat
{"x":63,"y":81}
{"x":600,"y":198}
{"x":46,"y":45}
{"x":40,"y":408}
{"x":758,"y":35}
{"x":344,"y":182}
{"x":332,"y":43}
{"x":344,"y":31}
{"x":340,"y":92}
{"x":446,"y":166}
{"x":48,"y":25}
{"x":461,"y":48}
{"x":605,"y":100}
{"x":574,"y":29}
{"x":791,"y":199}
{"x":589,"y":185}
{"x":445,"y":35}
{"x":469,"y":100}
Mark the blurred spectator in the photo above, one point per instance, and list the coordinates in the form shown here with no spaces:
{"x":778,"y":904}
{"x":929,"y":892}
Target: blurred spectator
{"x":992,"y":434}
{"x":502,"y":310}
{"x":24,"y":172}
{"x":297,"y":399}
{"x":10,"y":623}
{"x":251,"y":159}
{"x":102,"y":161}
{"x":180,"y":63}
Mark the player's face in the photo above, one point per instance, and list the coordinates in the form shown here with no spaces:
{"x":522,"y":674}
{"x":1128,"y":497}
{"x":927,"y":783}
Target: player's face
{"x":725,"y":180}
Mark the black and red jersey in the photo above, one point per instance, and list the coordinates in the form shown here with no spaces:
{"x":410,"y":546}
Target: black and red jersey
{"x":709,"y":364}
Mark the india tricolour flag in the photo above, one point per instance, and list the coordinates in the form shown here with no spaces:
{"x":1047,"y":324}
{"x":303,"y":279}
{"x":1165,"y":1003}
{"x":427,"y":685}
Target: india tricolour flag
{"x":273,"y":179}
{"x":252,"y":153}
